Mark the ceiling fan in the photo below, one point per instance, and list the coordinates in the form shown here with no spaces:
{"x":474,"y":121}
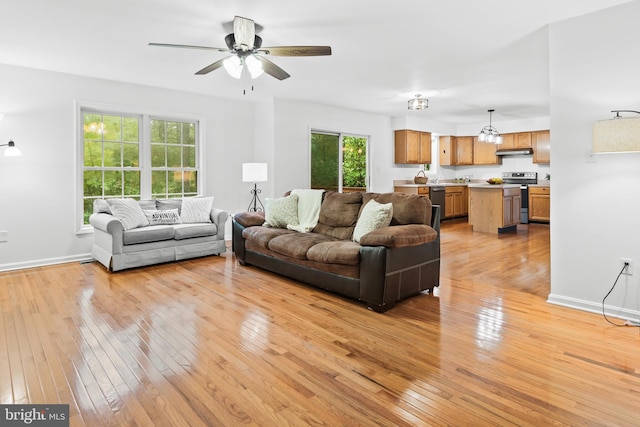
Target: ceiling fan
{"x":247,"y":52}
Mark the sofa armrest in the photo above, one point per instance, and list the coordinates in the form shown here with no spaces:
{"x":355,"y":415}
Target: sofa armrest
{"x":249,"y":219}
{"x":107,"y":223}
{"x":398,"y":236}
{"x":219,"y":218}
{"x":108,"y":233}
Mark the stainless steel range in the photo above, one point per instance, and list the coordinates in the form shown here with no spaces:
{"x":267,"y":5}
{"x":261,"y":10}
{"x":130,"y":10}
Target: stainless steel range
{"x":524,"y":179}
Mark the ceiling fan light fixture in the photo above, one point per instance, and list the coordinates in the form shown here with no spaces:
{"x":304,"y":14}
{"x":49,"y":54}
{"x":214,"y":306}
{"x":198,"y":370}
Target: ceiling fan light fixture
{"x":233,"y":65}
{"x":418,"y":103}
{"x":254,"y":66}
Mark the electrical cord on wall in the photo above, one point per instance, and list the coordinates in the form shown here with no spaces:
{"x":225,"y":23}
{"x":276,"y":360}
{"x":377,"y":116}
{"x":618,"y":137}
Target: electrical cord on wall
{"x":628,"y":322}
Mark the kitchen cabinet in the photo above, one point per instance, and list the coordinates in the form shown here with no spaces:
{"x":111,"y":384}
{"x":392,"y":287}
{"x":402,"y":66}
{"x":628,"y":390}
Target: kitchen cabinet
{"x":421,"y":190}
{"x":494,"y":208}
{"x":412,"y":147}
{"x":484,"y":153}
{"x":464,"y":150}
{"x":455,"y":204}
{"x":541,"y":141}
{"x":539,"y":204}
{"x":507,"y":140}
{"x":447,"y":151}
{"x":522,"y":140}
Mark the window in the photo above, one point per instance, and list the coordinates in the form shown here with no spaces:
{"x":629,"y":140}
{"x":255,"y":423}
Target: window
{"x":338,"y":162}
{"x":138,"y":156}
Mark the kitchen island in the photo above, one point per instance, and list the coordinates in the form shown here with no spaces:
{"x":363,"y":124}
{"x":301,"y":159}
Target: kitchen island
{"x":494,"y":208}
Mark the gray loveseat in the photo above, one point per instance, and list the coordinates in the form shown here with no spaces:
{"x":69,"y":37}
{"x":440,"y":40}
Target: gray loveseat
{"x":118,"y":248}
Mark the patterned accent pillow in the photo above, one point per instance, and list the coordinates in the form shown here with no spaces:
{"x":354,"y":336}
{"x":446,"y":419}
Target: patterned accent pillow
{"x":196,"y":209}
{"x":129,"y":212}
{"x":374,"y":216}
{"x":167,"y":216}
{"x":281,"y":211}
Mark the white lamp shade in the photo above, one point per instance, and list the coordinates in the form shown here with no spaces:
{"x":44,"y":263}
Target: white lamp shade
{"x":233,"y":65}
{"x":254,"y":66}
{"x":616,"y":135}
{"x":254,"y":172}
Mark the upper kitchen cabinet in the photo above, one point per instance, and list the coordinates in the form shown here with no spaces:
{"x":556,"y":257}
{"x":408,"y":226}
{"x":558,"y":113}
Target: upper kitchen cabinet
{"x":484,"y":153}
{"x":447,"y":150}
{"x":464,"y":150}
{"x":522,"y":140}
{"x":507,"y":140}
{"x":412,"y":147}
{"x":541,"y":146}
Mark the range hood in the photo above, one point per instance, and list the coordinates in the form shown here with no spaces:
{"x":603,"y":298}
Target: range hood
{"x":514,"y":151}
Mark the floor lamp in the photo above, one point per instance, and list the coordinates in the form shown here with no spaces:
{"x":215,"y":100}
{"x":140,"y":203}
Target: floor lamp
{"x":255,"y":172}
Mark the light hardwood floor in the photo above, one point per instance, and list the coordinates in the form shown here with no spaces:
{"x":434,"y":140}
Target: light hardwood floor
{"x":207,"y":342}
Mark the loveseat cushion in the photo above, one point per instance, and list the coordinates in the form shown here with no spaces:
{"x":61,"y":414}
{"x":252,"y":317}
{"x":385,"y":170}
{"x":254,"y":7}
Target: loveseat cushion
{"x":407,"y":208}
{"x":151,"y":233}
{"x":399,"y":236}
{"x":249,"y":219}
{"x":187,"y":231}
{"x":339,"y":252}
{"x":261,"y":236}
{"x":339,"y":214}
{"x":167,"y":204}
{"x":296,"y":245}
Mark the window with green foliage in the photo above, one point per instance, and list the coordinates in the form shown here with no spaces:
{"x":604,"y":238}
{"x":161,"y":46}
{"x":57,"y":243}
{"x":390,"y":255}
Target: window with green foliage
{"x":338,"y":162}
{"x":120,"y":160}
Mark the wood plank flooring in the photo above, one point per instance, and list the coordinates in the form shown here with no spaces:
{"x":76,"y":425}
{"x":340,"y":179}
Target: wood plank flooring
{"x":207,"y":342}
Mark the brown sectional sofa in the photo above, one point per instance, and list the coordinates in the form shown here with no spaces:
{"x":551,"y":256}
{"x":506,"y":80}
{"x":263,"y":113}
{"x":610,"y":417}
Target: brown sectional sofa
{"x":388,"y":265}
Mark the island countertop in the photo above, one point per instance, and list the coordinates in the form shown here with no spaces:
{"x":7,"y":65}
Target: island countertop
{"x":487,"y":185}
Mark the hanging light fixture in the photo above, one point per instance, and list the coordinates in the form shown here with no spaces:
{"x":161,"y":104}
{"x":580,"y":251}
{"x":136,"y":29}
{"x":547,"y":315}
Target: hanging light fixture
{"x":11,"y":150}
{"x":489,"y":133}
{"x":418,"y":103}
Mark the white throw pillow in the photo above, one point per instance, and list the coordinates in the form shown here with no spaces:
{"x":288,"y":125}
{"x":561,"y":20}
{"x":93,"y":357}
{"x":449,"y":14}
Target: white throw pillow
{"x":281,"y":211}
{"x":374,"y":215}
{"x":196,"y":209}
{"x":166,"y":216}
{"x":129,"y":212}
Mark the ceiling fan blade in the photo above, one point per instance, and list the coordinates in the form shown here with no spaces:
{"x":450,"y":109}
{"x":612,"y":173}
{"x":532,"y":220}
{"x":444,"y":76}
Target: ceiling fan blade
{"x":212,"y":67}
{"x":272,"y":69}
{"x":297,"y":50}
{"x":244,"y":31}
{"x":188,"y":46}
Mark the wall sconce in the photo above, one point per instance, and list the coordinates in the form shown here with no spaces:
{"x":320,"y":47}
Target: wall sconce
{"x":617,"y":135}
{"x":255,"y":172}
{"x":11,"y":150}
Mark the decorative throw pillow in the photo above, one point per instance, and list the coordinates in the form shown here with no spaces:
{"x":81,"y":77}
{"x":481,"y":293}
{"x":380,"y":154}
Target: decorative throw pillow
{"x":129,"y":212}
{"x":374,"y":215}
{"x":282,"y":211}
{"x":196,"y":209}
{"x":167,"y":216}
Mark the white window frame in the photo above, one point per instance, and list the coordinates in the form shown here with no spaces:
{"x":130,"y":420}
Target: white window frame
{"x":146,"y":115}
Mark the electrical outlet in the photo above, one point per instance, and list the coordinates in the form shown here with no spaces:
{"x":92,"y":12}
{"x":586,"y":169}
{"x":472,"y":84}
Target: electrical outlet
{"x":628,"y":270}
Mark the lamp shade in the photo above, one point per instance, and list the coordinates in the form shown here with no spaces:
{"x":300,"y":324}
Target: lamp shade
{"x":616,"y":135}
{"x":254,"y":172}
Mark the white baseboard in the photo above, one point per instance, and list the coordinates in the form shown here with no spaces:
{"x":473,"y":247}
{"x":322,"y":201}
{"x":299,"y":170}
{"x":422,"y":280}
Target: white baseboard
{"x":44,"y":262}
{"x":594,"y":307}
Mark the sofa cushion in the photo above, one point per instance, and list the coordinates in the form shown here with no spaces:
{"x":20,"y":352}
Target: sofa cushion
{"x":129,"y":212}
{"x":339,"y":214}
{"x":196,"y":209}
{"x":374,"y":215}
{"x":187,"y":231}
{"x":166,"y":204}
{"x":407,"y":208}
{"x":261,"y":236}
{"x":296,"y":245}
{"x":281,"y":211}
{"x":343,"y":252}
{"x":152,"y":233}
{"x":399,"y":236}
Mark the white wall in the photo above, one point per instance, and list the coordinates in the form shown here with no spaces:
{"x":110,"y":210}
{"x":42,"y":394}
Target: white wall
{"x":37,"y":190}
{"x":293,"y":123}
{"x":594,"y":65}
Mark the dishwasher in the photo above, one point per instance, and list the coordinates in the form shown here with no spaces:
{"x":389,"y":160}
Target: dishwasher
{"x":436,"y":194}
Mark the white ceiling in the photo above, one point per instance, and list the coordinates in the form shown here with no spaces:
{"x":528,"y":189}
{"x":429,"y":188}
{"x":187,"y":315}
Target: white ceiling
{"x":465,"y":55}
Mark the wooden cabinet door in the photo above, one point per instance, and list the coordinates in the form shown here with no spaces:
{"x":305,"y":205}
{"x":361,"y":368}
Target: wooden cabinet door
{"x":507,"y":140}
{"x":541,"y":146}
{"x":539,"y":204}
{"x":464,"y":150}
{"x":522,"y":140}
{"x":447,"y":151}
{"x":484,"y":153}
{"x":424,"y":148}
{"x":406,"y":146}
{"x":448,"y":205}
